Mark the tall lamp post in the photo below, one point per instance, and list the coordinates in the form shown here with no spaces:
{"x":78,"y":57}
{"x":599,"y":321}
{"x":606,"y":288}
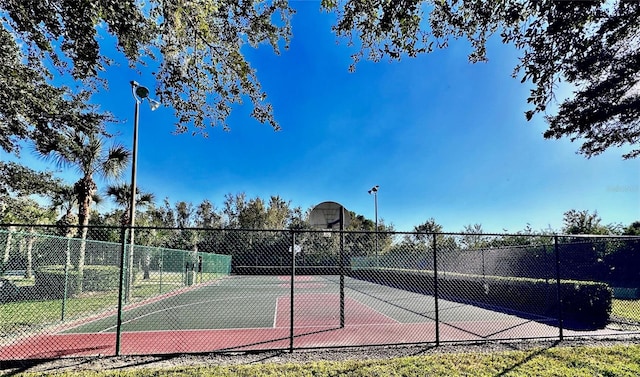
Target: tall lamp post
{"x":140,"y":93}
{"x":374,"y":191}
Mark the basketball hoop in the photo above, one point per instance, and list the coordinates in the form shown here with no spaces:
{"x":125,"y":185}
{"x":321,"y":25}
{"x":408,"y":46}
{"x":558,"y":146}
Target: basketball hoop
{"x":328,"y":216}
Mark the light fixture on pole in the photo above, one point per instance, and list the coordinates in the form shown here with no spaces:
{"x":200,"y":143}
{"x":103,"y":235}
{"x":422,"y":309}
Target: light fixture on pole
{"x":374,"y":191}
{"x":140,"y":93}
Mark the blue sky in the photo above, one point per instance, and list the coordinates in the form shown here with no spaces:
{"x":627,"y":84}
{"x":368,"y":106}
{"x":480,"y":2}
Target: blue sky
{"x":443,"y":138}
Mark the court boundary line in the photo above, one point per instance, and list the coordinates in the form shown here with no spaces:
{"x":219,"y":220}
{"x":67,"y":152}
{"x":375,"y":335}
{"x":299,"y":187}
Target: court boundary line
{"x":524,"y":316}
{"x":154,"y":312}
{"x":501,"y":309}
{"x":113,"y":311}
{"x":460,"y":300}
{"x":376,"y":310}
{"x":388,"y":302}
{"x":328,"y":326}
{"x":275,"y":314}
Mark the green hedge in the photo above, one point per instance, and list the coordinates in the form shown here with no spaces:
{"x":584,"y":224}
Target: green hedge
{"x":49,"y":280}
{"x":586,"y":305}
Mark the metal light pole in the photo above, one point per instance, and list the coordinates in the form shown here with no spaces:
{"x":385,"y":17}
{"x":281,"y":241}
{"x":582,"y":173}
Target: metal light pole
{"x":140,"y":93}
{"x":374,"y":191}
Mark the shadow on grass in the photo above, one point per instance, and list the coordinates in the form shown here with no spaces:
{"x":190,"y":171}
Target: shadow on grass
{"x":527,"y":359}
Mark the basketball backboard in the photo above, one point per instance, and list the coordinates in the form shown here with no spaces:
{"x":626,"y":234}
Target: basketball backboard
{"x":326,"y":215}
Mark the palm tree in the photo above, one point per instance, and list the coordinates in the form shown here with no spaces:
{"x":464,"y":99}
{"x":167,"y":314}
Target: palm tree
{"x":65,"y":201}
{"x":88,"y":155}
{"x":121,"y":194}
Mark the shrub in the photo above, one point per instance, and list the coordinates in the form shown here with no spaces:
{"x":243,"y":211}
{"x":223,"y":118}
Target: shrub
{"x":50,"y":280}
{"x":101,"y":278}
{"x":8,"y":291}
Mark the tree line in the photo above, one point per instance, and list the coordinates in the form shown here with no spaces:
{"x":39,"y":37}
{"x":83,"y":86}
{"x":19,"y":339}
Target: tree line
{"x":31,"y":197}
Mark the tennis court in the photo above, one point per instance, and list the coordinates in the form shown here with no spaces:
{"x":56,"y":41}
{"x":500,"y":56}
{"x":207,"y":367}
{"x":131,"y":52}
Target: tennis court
{"x":242,"y":313}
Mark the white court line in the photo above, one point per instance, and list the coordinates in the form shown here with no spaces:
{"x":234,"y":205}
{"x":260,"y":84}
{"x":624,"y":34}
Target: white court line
{"x":275,"y":315}
{"x":170,"y":308}
{"x":135,"y":305}
{"x":375,"y":310}
{"x":174,"y":331}
{"x":260,"y":328}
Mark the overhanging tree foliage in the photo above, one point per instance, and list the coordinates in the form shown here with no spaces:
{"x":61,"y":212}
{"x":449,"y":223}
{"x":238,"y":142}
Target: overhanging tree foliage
{"x":201,"y":72}
{"x":32,"y":108}
{"x":18,"y":185}
{"x":19,"y":180}
{"x":591,"y":45}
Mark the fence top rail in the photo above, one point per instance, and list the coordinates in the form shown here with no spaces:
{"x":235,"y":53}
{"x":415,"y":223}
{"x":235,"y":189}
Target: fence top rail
{"x":106,"y":243}
{"x":298,"y":231}
{"x":53,"y":236}
{"x":56,"y":226}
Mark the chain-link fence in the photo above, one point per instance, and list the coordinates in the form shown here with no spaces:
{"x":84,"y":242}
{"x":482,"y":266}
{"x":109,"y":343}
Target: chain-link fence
{"x":52,"y":283}
{"x":165,"y":290}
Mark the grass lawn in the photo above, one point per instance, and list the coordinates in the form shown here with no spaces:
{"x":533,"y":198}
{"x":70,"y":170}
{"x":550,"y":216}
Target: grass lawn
{"x":24,"y":314}
{"x":558,"y":361}
{"x":628,"y":309}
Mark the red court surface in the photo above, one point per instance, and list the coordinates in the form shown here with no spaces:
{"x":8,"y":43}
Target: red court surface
{"x":310,"y":311}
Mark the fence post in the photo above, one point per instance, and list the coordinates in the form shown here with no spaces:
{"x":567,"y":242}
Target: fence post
{"x":558,"y":288}
{"x":161,"y":267}
{"x":342,"y":267}
{"x":123,"y":238}
{"x":66,"y":281}
{"x":184,"y":270}
{"x":293,"y":276}
{"x":435,"y":289}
